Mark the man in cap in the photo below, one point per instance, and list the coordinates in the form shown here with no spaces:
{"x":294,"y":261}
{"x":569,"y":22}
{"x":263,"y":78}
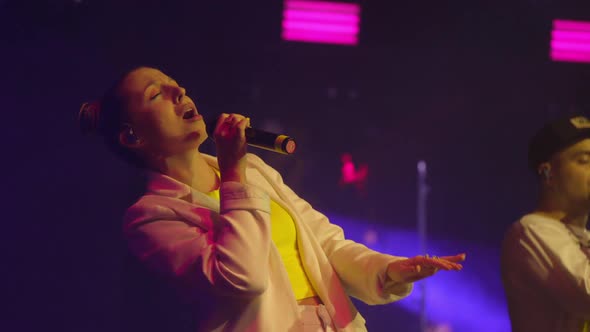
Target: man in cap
{"x":546,"y":254}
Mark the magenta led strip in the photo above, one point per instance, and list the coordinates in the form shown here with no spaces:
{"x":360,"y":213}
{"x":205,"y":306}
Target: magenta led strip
{"x":570,"y":41}
{"x":321,"y":22}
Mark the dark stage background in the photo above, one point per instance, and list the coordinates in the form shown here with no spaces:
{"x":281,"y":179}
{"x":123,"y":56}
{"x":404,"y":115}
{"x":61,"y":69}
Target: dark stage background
{"x":459,"y":84}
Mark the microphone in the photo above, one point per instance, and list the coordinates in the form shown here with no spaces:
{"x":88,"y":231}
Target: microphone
{"x":262,"y":139}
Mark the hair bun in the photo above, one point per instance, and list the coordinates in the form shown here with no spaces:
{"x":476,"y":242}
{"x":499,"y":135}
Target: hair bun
{"x":88,"y":117}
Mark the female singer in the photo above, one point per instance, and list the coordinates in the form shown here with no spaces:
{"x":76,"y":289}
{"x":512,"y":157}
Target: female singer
{"x":244,"y":250}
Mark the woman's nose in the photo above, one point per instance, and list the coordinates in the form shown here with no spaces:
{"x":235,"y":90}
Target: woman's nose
{"x":179,"y":93}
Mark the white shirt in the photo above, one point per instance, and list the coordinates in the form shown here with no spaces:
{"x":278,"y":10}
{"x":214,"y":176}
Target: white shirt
{"x":546,"y":275}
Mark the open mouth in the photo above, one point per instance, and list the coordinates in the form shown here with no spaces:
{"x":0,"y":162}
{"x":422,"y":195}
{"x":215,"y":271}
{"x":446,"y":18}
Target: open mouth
{"x":189,"y":114}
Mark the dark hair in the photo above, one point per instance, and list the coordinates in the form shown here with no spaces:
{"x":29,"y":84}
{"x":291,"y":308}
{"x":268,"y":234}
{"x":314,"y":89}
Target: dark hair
{"x":107,"y":117}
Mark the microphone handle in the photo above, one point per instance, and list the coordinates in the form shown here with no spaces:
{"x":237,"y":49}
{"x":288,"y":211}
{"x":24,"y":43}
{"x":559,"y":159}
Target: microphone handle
{"x":269,"y":141}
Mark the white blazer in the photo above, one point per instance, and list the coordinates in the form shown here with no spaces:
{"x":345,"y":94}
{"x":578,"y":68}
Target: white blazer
{"x":221,"y":256}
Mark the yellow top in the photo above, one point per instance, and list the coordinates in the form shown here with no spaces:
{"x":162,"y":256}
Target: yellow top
{"x":284,"y":236}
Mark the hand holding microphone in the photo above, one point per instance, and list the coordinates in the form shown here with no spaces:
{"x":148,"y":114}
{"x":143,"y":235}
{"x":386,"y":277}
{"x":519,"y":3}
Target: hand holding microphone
{"x":230,"y":140}
{"x":259,"y":138}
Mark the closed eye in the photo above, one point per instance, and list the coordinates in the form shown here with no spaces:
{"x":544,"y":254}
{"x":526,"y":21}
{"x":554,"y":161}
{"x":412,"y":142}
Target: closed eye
{"x":154,"y":96}
{"x":583,"y":157}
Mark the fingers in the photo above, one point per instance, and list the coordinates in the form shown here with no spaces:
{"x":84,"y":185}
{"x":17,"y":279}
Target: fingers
{"x":230,"y":142}
{"x":408,"y":271}
{"x":425,"y":270}
{"x":222,"y":121}
{"x":456,"y":258}
{"x":231,"y":125}
{"x":420,"y":267}
{"x":436,"y":262}
{"x":242,"y":124}
{"x":227,"y":120}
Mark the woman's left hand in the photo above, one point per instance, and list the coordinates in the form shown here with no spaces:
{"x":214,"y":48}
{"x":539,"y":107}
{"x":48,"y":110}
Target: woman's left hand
{"x":420,"y":267}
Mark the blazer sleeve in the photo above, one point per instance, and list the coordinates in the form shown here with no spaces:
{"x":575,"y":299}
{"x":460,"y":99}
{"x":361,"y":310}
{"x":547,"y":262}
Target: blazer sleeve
{"x":230,"y":256}
{"x":552,"y":259}
{"x":363,"y":271}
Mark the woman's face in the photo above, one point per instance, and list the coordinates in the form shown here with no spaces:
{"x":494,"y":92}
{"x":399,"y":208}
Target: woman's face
{"x":162,"y":116}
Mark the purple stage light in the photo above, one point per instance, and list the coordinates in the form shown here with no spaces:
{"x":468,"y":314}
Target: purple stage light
{"x":321,"y":22}
{"x":570,"y":41}
{"x":465,"y":301}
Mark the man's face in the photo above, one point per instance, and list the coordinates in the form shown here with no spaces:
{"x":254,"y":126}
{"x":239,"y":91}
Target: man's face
{"x":570,"y":174}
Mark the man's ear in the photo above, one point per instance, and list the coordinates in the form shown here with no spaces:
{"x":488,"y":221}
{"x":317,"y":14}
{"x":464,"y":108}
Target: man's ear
{"x":545,"y":171}
{"x":128,"y":138}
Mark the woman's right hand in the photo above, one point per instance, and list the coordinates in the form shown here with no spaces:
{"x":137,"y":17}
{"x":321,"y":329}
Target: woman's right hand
{"x":230,"y":140}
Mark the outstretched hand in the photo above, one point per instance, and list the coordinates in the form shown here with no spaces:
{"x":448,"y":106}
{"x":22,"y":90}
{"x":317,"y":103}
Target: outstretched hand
{"x":420,"y":267}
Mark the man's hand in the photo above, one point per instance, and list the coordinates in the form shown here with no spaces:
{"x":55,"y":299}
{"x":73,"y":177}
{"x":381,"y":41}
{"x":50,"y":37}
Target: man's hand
{"x":420,"y":267}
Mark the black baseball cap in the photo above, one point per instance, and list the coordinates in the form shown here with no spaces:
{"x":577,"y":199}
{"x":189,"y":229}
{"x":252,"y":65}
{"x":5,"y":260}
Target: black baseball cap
{"x":556,"y":136}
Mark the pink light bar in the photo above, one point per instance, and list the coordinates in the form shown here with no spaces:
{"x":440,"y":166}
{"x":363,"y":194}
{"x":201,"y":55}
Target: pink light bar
{"x":570,"y":41}
{"x":302,"y":15}
{"x":322,"y":38}
{"x":571,"y":25}
{"x":323,"y":6}
{"x":558,"y":45}
{"x":570,"y":35}
{"x":321,"y":22}
{"x":570,"y":56}
{"x":321,"y":27}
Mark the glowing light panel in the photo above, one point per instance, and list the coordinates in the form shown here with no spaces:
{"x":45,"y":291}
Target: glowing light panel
{"x":321,"y":22}
{"x":570,"y":41}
